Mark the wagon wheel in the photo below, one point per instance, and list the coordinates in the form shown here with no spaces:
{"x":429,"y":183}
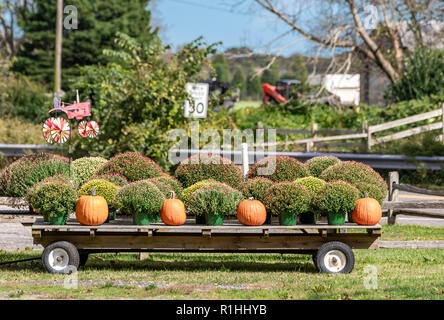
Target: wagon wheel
{"x":335,"y":257}
{"x":61,"y":257}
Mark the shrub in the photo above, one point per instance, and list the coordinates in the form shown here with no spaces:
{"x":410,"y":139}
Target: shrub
{"x":352,"y":172}
{"x":54,"y":199}
{"x":104,"y":188}
{"x":113,"y":177}
{"x":133,"y":166}
{"x":336,"y":197}
{"x":372,"y":191}
{"x":172,"y":182}
{"x":164,"y":187}
{"x":139,"y":197}
{"x":312,"y":184}
{"x":256,"y":188}
{"x":215,"y":198}
{"x":85,"y":168}
{"x":206,"y":166}
{"x":58,"y":178}
{"x":287,"y":197}
{"x":278,"y":169}
{"x":318,"y":164}
{"x":187,"y":192}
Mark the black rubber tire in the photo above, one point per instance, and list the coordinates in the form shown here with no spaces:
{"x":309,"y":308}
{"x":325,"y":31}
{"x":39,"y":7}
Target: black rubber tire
{"x":335,"y":245}
{"x":73,"y":257}
{"x":83,"y":259}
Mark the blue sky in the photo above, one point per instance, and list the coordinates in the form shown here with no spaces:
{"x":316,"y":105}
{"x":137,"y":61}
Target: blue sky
{"x":186,"y":20}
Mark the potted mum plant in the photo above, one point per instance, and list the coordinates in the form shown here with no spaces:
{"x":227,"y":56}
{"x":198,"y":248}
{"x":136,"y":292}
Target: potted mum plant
{"x":336,"y":199}
{"x":142,"y":199}
{"x":214,"y":201}
{"x":313,"y":185}
{"x":55,"y":201}
{"x":287,"y":200}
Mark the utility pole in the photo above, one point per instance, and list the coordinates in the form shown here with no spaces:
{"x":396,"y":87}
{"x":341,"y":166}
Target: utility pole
{"x":58,"y":49}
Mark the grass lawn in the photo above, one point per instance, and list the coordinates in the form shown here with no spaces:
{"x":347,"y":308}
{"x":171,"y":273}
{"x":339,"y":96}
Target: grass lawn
{"x":402,"y":274}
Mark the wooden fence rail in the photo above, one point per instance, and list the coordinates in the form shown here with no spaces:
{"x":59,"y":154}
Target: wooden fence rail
{"x":410,"y":208}
{"x":365,"y":133}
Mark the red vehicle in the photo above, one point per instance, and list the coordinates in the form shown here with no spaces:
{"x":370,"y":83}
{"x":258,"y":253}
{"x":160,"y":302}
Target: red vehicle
{"x":76,"y":110}
{"x":280,"y":93}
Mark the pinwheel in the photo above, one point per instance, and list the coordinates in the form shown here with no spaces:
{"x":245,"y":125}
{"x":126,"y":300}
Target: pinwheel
{"x":82,"y":129}
{"x":47,"y":127}
{"x":92,"y":129}
{"x":60,"y":130}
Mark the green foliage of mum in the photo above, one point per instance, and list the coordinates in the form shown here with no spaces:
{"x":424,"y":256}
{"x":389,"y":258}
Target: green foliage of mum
{"x":206,"y":166}
{"x":215,"y":198}
{"x":278,"y":169}
{"x":133,"y":166}
{"x":256,"y":188}
{"x":83,"y":169}
{"x":58,"y":178}
{"x":54,"y":199}
{"x":352,"y":172}
{"x":114,"y":177}
{"x":318,"y":164}
{"x":371,"y":190}
{"x":312,"y":184}
{"x":287,"y":197}
{"x":141,"y":197}
{"x":336,"y":197}
{"x":164,"y":187}
{"x":187,"y":192}
{"x":171,"y":182}
{"x":104,"y":188}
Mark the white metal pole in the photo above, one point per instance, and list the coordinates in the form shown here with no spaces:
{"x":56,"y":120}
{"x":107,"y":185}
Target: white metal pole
{"x":245,"y":158}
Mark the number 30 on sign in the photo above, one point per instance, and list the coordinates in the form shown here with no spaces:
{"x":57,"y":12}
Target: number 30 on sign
{"x":197,"y":104}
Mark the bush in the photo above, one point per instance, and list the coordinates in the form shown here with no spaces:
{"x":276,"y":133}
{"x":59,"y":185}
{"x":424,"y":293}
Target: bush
{"x":113,"y":177}
{"x":164,"y":187}
{"x":172,"y":182}
{"x":187,"y":192}
{"x":318,"y":164}
{"x":287,"y":197}
{"x":256,"y":188}
{"x":85,"y":168}
{"x":352,"y":172}
{"x":312,"y":184}
{"x":104,"y":188}
{"x":215,"y":198}
{"x":336,"y":197}
{"x":139,"y":197}
{"x":278,"y":169}
{"x":133,"y":166}
{"x":54,"y":199}
{"x":206,"y":166}
{"x":372,"y":191}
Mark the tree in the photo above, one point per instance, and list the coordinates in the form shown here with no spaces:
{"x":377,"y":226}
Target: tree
{"x":239,"y":80}
{"x":98,"y":23}
{"x":271,"y":75}
{"x":138,"y":97}
{"x":254,"y":85}
{"x":347,"y":25}
{"x":221,"y":68}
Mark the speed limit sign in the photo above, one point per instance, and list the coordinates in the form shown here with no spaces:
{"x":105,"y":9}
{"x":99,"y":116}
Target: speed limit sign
{"x":197,"y":104}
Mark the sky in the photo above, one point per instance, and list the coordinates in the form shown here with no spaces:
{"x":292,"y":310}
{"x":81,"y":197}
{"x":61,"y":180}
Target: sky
{"x":186,"y":20}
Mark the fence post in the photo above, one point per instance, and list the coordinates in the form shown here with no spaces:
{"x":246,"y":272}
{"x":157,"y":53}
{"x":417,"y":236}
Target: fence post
{"x":393,"y":195}
{"x":369,"y":139}
{"x":314,"y":129}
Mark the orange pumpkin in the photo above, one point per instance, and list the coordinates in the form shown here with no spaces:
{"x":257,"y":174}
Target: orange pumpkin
{"x":92,"y":210}
{"x":367,"y":212}
{"x":251,"y":213}
{"x":173,"y":211}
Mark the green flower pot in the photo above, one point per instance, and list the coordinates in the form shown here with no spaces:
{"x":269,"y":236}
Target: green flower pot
{"x":336,"y":219}
{"x":214,"y":219}
{"x":57,"y":221}
{"x":200,"y":219}
{"x":308,"y":218}
{"x":288,"y":219}
{"x":142,"y":219}
{"x":156,"y":218}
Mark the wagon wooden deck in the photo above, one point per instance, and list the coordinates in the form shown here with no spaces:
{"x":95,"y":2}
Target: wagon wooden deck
{"x":122,"y":235}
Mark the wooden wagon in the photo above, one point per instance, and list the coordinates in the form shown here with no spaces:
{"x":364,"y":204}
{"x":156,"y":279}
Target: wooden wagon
{"x":68,"y":246}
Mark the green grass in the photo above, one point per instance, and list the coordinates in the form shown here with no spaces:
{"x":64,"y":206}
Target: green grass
{"x":245,"y":104}
{"x":411,"y":232}
{"x":402,"y":274}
